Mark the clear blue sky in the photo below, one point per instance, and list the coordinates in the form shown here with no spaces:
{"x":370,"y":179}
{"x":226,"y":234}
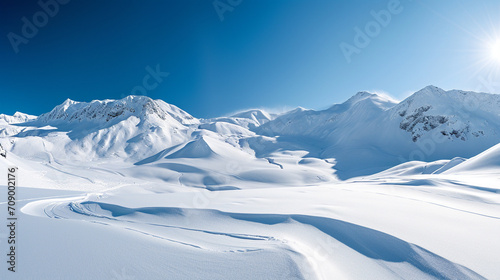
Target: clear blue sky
{"x":264,"y":53}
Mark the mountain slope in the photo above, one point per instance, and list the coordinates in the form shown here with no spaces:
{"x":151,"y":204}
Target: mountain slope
{"x":18,"y":117}
{"x":368,"y":133}
{"x":487,"y":161}
{"x":364,"y":135}
{"x":128,"y":129}
{"x":112,"y":111}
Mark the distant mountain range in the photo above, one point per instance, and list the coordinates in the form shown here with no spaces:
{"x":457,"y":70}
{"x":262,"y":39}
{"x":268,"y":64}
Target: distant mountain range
{"x":366,"y":134}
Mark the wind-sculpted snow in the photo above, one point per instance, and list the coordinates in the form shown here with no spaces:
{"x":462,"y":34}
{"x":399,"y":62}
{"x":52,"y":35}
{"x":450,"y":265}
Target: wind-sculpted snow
{"x":207,"y":230}
{"x":193,"y":218}
{"x":487,"y":161}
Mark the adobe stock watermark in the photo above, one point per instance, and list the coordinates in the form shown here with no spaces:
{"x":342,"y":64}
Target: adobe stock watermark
{"x":223,"y":6}
{"x":30,"y":27}
{"x":363,"y":37}
{"x":150,"y":81}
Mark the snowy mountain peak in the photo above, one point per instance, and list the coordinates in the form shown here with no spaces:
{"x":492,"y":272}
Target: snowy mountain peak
{"x":362,"y":97}
{"x":129,"y":128}
{"x":68,"y":102}
{"x":99,"y":111}
{"x":18,"y":117}
{"x":431,"y":89}
{"x":257,"y":115}
{"x":433,"y":94}
{"x":453,"y":115}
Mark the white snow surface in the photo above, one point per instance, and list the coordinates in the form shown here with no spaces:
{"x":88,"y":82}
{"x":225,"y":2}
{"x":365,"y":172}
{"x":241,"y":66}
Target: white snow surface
{"x":369,"y":189}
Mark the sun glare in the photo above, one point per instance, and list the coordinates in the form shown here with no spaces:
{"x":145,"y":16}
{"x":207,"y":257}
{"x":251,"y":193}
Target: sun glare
{"x":495,"y":51}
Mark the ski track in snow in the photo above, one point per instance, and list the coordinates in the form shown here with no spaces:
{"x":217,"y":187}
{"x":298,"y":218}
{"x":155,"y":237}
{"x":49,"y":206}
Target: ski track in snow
{"x":64,"y":210}
{"x":437,"y":204}
{"x":70,"y":174}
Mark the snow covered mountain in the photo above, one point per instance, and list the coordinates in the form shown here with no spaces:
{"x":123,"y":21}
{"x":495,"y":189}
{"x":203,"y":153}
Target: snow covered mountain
{"x":256,"y":195}
{"x":456,"y":114}
{"x":249,"y":119}
{"x":98,"y":112}
{"x":374,"y":133}
{"x":18,"y":117}
{"x":366,"y":134}
{"x":129,"y":129}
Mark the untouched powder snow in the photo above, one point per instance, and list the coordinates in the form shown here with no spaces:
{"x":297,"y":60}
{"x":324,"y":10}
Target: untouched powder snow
{"x":316,"y":232}
{"x":487,"y":161}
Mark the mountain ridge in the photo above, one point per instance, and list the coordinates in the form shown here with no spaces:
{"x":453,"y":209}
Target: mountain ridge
{"x":366,"y":134}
